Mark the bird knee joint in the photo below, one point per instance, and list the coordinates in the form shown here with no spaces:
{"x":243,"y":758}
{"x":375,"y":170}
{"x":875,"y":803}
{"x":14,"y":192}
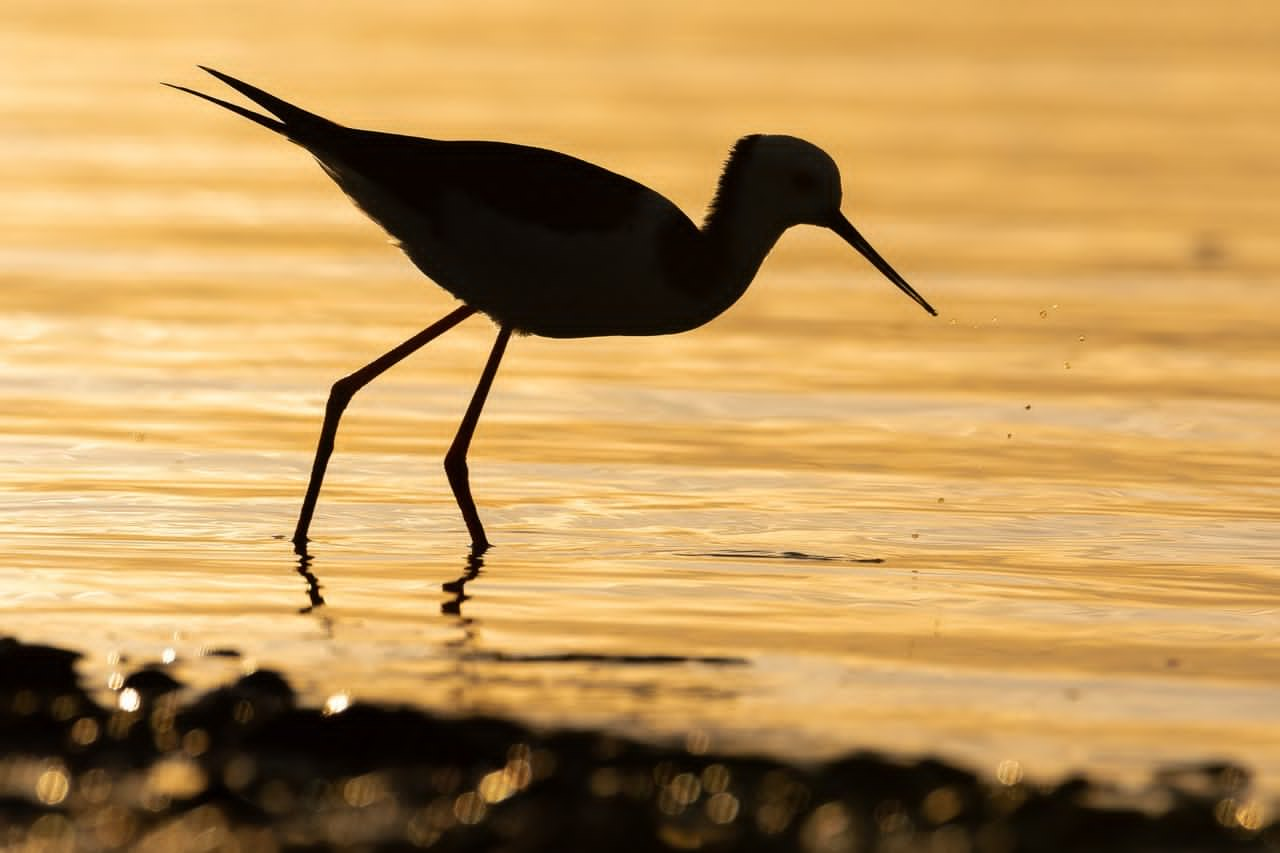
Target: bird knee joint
{"x":342,"y":391}
{"x":455,"y":463}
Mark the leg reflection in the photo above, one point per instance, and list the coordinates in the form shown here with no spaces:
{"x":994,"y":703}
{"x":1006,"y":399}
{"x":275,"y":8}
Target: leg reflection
{"x":313,"y":582}
{"x":457,"y":588}
{"x":461,"y":648}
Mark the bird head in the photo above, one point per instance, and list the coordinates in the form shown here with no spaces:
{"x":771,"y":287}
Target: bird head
{"x":802,"y":185}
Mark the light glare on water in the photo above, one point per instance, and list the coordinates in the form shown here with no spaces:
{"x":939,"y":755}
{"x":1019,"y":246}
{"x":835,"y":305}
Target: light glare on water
{"x":1041,"y":528}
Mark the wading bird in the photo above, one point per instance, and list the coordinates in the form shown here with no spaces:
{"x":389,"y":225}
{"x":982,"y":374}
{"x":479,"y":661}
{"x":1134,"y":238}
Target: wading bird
{"x":547,"y":244}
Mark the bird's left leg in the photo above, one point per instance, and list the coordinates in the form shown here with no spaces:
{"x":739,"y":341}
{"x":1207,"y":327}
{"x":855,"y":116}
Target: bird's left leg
{"x":455,"y":461}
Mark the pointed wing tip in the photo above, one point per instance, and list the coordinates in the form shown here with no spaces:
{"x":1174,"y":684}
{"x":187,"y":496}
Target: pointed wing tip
{"x":221,"y":75}
{"x":239,"y":85}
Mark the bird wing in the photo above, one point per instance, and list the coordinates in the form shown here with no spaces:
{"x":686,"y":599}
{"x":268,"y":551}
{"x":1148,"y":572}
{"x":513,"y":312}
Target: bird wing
{"x":535,"y":185}
{"x":523,"y":183}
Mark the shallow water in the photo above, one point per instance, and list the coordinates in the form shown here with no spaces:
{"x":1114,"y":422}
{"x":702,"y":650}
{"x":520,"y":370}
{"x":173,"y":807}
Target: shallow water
{"x":1042,"y":528}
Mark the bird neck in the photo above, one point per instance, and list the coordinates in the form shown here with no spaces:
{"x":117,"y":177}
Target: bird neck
{"x":736,"y":244}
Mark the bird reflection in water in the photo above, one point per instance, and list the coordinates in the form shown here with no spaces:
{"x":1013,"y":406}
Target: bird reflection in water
{"x":457,"y":588}
{"x":450,"y":607}
{"x":313,"y":582}
{"x":462,"y":647}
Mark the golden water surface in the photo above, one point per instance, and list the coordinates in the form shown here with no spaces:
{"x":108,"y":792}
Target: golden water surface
{"x":1040,"y":528}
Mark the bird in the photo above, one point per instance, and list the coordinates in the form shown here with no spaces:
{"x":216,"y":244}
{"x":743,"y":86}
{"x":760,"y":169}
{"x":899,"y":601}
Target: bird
{"x":544,"y":243}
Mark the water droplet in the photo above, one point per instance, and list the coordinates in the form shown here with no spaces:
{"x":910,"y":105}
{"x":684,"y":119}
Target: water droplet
{"x":715,"y":778}
{"x":336,"y":704}
{"x":1028,"y":407}
{"x":176,"y":777}
{"x":52,"y":786}
{"x":1066,"y":365}
{"x":84,"y":731}
{"x":697,"y":742}
{"x":129,"y":700}
{"x":941,"y":805}
{"x":1080,"y":339}
{"x":1044,"y":315}
{"x":1250,"y":815}
{"x":722,"y":807}
{"x":1009,"y":772}
{"x":469,"y":808}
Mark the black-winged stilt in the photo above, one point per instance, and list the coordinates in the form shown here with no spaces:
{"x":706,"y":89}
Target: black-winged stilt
{"x":547,"y":244}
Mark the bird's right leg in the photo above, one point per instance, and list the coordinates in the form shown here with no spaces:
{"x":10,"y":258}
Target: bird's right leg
{"x":343,"y":390}
{"x":455,"y":461}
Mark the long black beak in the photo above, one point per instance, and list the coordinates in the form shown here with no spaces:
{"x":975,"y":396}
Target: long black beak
{"x":845,"y":229}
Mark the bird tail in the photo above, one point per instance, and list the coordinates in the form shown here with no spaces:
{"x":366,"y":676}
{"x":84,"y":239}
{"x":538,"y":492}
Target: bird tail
{"x":292,"y":122}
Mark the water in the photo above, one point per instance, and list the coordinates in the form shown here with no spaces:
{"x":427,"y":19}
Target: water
{"x":1041,"y":528}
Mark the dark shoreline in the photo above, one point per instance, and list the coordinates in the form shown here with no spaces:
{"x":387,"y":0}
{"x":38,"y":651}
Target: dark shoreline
{"x":242,"y":767}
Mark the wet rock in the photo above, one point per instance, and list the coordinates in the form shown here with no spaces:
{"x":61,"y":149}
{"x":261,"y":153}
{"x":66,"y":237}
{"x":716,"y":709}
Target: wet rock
{"x":243,"y":767}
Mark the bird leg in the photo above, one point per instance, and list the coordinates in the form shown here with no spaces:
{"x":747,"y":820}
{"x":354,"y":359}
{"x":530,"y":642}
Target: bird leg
{"x":455,"y":461}
{"x":340,"y":395}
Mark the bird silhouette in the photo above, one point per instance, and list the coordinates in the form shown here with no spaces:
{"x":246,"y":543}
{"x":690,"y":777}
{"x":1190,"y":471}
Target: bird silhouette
{"x":547,"y":244}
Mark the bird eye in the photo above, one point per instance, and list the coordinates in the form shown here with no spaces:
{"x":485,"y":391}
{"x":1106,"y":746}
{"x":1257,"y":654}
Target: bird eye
{"x":803,"y":181}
